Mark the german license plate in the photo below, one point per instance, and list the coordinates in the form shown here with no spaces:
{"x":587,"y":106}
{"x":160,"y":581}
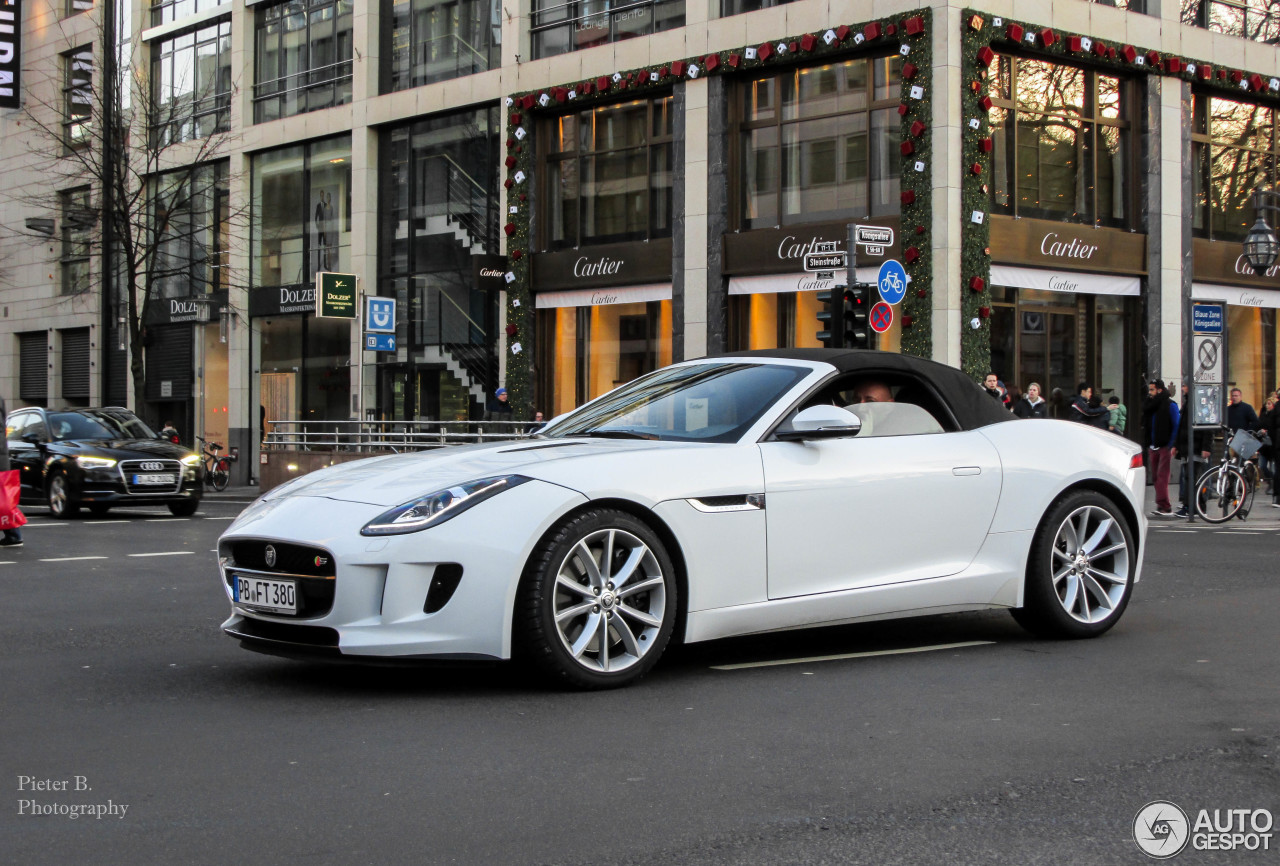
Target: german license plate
{"x":154,"y":478}
{"x":280,"y":596}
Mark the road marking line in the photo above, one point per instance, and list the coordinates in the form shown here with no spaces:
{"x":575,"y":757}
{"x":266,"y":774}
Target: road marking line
{"x":221,"y":518}
{"x":893,"y":652}
{"x":165,"y":519}
{"x":104,"y":522}
{"x":1178,"y":531}
{"x":73,"y":558}
{"x":46,"y":524}
{"x":166,"y":553}
{"x":1238,"y":532}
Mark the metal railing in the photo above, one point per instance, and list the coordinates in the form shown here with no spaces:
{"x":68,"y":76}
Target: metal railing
{"x":394,"y":436}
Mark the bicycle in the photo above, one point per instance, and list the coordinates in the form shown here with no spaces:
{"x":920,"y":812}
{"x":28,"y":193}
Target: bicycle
{"x":217,"y":467}
{"x":1227,"y":490}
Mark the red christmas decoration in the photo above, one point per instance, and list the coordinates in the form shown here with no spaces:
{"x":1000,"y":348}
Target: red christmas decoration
{"x":1222,"y":75}
{"x":921,"y":293}
{"x":515,"y":120}
{"x":902,"y":109}
{"x":711,"y":61}
{"x":1130,"y":53}
{"x":985,"y":55}
{"x":1153,"y":58}
{"x":908,"y":196}
{"x":562,"y":93}
{"x":872,"y":30}
{"x":907,"y":148}
{"x":841,"y":32}
{"x":516,"y":254}
{"x":985,"y":145}
{"x":986,"y":103}
{"x":914,"y":25}
{"x":1075,"y":44}
{"x":1047,"y":37}
{"x":734,"y":60}
{"x":511,"y":162}
{"x":793,"y":47}
{"x":523,"y":197}
{"x":977,"y":283}
{"x":1173,"y":64}
{"x":602,"y":83}
{"x":1255,"y":81}
{"x":907,"y":321}
{"x":919,"y":230}
{"x":511,"y":330}
{"x":508,"y":183}
{"x":1014,"y":32}
{"x":807,"y":42}
{"x":511,"y":142}
{"x":586,"y":88}
{"x":917,"y":128}
{"x":1100,"y":48}
{"x":909,"y":70}
{"x":984,"y":312}
{"x":1204,"y":71}
{"x":891,"y":29}
{"x":911,"y":254}
{"x":677,"y":68}
{"x":527,"y":101}
{"x":1236,"y":76}
{"x":1111,"y":54}
{"x":765,"y":51}
{"x":510,"y":229}
{"x":976,"y":168}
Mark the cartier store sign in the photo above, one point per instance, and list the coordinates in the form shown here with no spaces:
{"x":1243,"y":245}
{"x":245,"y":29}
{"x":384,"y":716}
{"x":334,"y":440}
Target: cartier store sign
{"x":1223,"y":262}
{"x":1064,"y":246}
{"x":604,"y":265}
{"x":781,"y":250}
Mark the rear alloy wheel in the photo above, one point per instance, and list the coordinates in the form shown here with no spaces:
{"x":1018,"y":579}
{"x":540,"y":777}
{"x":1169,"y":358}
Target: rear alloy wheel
{"x":1080,"y":574}
{"x":598,"y":603}
{"x":185,"y":508}
{"x":60,"y":502}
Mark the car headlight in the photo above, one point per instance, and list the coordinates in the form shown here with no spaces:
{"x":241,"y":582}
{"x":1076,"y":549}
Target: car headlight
{"x":95,"y":462}
{"x":191,"y":460}
{"x":436,"y":508}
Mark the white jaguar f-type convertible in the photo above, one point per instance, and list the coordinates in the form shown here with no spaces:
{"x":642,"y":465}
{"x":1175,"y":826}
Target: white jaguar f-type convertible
{"x":724,"y":496}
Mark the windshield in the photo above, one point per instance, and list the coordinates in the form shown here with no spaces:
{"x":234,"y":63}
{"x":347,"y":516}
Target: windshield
{"x":712,"y":402}
{"x":97,"y":425}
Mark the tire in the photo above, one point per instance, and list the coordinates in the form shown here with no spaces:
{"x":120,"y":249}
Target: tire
{"x":565,"y":604}
{"x":220,"y":474}
{"x":61,"y":503}
{"x":1220,"y":493}
{"x":1080,"y":572}
{"x":185,"y":508}
{"x":99,"y":510}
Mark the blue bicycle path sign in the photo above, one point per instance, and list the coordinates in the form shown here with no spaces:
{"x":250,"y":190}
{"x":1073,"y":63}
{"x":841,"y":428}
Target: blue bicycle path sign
{"x":892,"y":281}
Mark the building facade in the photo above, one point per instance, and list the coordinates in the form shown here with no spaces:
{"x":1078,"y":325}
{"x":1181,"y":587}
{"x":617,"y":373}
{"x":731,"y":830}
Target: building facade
{"x":563,"y":195}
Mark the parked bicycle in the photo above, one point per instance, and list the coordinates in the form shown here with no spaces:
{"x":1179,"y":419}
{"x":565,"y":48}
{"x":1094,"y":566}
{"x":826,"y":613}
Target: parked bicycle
{"x":1227,"y":490}
{"x":217,"y":467}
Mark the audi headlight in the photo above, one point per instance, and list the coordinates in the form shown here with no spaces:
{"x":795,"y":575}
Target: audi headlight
{"x":191,"y":460}
{"x":95,"y":462}
{"x":436,"y":508}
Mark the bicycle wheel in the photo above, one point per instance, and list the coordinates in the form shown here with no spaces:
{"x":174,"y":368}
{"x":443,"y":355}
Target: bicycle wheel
{"x":1220,"y":493}
{"x":1251,"y":479}
{"x":220,"y":474}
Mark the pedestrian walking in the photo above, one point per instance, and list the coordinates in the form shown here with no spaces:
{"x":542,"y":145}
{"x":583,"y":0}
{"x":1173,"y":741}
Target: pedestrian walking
{"x":499,"y":409}
{"x":11,"y":517}
{"x":1160,"y":429}
{"x":1086,"y":409}
{"x":1240,"y":415}
{"x":1119,"y":416}
{"x":1269,"y":421}
{"x":1032,"y":405}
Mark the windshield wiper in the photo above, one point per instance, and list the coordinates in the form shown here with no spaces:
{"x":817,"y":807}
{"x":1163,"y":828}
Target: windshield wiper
{"x":616,"y":434}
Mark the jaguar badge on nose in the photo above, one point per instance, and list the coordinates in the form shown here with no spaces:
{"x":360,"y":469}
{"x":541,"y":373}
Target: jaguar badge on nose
{"x":270,"y":556}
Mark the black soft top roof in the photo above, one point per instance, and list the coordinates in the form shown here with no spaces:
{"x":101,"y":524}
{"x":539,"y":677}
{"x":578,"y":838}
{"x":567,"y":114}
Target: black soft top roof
{"x":972,"y":406}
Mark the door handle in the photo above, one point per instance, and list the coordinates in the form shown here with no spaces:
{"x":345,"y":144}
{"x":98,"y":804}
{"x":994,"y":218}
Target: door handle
{"x":967,"y":470}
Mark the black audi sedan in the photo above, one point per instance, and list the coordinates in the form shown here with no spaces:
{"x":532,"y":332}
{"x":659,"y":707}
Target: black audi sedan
{"x":98,"y":458}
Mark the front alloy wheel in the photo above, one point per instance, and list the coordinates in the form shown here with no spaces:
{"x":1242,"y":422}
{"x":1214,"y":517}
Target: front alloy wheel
{"x":60,"y":502}
{"x":1081,"y":570}
{"x":599,"y":603}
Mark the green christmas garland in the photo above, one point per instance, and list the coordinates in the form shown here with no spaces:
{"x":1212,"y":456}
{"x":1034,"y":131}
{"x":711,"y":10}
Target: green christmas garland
{"x":909,"y":32}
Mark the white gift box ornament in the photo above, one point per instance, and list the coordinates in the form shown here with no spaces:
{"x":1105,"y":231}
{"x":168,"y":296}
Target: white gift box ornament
{"x":573,"y":94}
{"x":520,"y":133}
{"x":513,"y":209}
{"x":1030,"y":37}
{"x":1191,"y":69}
{"x":917,"y":92}
{"x":516,"y":348}
{"x":829,"y":37}
{"x":974,"y":123}
{"x":653,"y":76}
{"x":1275,"y":84}
{"x":858,"y":38}
{"x":750,"y":53}
{"x":978,"y":217}
{"x":509,"y":276}
{"x":519,"y":177}
{"x":782,"y":48}
{"x":693,"y":70}
{"x":905,"y":49}
{"x":515,"y":302}
{"x":1086,"y":44}
{"x":997,"y":22}
{"x":975,"y":323}
{"x":543,"y":100}
{"x":617,"y":76}
{"x":919,"y":166}
{"x":1140,"y":60}
{"x":510,"y":102}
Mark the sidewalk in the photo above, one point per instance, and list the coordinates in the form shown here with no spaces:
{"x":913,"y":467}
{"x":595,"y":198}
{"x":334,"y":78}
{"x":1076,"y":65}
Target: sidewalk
{"x":1262,"y":515}
{"x":246,"y":493}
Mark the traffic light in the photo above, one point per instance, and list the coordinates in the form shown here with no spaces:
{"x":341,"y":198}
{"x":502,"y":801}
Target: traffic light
{"x":844,"y":317}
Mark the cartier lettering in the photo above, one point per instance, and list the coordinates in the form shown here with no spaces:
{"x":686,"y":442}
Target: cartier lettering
{"x":605,"y":266}
{"x":1072,"y":249}
{"x":1242,"y":267}
{"x":1062,"y":284}
{"x":490,"y":272}
{"x":793,"y":248}
{"x":600,"y":298}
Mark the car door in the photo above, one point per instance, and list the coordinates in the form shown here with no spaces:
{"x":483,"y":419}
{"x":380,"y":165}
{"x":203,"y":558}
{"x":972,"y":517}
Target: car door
{"x":25,"y":456}
{"x":859,"y":512}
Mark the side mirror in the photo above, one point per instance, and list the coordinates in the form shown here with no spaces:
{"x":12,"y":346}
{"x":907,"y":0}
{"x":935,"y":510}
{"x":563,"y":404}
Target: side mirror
{"x":32,"y":438}
{"x":821,"y":422}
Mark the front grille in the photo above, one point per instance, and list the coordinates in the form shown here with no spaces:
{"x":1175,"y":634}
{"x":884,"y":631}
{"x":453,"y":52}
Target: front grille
{"x":130,"y":469}
{"x":311,"y":569}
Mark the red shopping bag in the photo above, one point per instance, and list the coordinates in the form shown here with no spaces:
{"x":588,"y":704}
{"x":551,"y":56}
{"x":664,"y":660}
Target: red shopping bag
{"x":11,"y":517}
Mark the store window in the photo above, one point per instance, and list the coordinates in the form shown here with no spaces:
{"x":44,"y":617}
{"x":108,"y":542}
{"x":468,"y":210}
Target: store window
{"x":608,"y":174}
{"x":189,"y":218}
{"x":167,"y":11}
{"x":78,"y":220}
{"x":737,"y":7}
{"x":435,"y":40}
{"x":1234,"y":151}
{"x":1258,"y":20}
{"x":302,"y":57}
{"x":301,"y":220}
{"x":305,"y":370}
{"x":1251,"y":353}
{"x":75,"y":7}
{"x":438,"y":196}
{"x":77,"y":96}
{"x":820,"y":143}
{"x":559,"y":27}
{"x":191,"y":84}
{"x":1063,"y":148}
{"x":587,"y":351}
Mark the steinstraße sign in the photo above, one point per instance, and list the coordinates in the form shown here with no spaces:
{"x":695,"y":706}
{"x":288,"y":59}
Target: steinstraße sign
{"x":335,"y":295}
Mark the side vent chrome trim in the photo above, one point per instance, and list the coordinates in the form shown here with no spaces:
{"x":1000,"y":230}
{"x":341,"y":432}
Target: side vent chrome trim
{"x":724,"y":504}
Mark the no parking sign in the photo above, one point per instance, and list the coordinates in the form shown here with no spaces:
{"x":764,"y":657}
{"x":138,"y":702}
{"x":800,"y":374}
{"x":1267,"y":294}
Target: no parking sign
{"x":881,"y":317}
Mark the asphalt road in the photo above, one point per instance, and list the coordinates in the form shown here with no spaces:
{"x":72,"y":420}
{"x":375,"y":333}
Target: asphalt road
{"x":1003,"y":750}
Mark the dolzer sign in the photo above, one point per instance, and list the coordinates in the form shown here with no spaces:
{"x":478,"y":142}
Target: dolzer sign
{"x":335,"y":295}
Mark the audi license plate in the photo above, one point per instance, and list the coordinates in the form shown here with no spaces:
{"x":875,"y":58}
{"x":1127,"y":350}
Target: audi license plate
{"x":154,"y":478}
{"x":278,"y":596}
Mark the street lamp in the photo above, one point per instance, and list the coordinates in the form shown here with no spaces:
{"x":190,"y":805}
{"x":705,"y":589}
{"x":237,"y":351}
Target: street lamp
{"x":1261,"y":246}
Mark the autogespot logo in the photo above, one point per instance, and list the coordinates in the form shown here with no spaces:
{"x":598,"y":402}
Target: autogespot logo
{"x":1161,"y":829}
